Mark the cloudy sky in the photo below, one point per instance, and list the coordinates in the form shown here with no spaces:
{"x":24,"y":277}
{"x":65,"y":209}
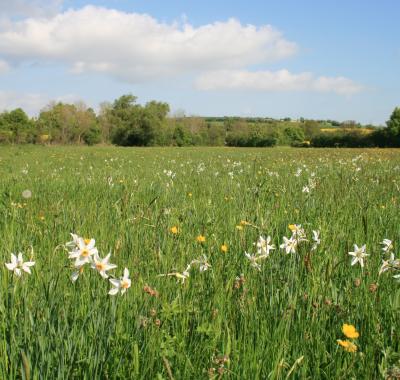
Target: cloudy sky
{"x":317,"y":59}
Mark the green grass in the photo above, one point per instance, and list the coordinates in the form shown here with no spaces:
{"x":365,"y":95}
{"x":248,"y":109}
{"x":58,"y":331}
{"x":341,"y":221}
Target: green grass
{"x":282,"y":322}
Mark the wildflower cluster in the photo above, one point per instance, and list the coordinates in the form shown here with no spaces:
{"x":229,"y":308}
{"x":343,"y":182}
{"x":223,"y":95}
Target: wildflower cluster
{"x":350,"y":332}
{"x":389,"y":262}
{"x":201,"y":262}
{"x":84,"y":252}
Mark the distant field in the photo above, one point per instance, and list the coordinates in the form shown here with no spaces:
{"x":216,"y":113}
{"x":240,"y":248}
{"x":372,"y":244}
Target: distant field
{"x":270,"y":315}
{"x":347,"y":130}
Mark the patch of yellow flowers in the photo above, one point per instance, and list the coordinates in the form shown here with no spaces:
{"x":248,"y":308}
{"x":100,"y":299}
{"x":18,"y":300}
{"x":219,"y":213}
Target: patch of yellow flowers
{"x":350,"y":332}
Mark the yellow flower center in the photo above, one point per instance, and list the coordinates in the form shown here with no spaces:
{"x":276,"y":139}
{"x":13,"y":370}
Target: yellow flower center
{"x":100,"y":266}
{"x":87,"y":241}
{"x":85,"y":252}
{"x":124,"y":284}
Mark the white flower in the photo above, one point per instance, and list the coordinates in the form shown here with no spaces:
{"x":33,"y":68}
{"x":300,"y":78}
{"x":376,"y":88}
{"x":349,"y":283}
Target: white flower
{"x":83,"y":252}
{"x":121,"y":285}
{"x":316,"y":240}
{"x":387,"y":245}
{"x":74,"y":242}
{"x":389,"y":264}
{"x":17,"y":264}
{"x":76,"y":273}
{"x":289,"y":245}
{"x":102,"y":265}
{"x":306,"y":189}
{"x":264,"y":246}
{"x":359,"y":254}
{"x":297,"y":232}
{"x":253,"y":260}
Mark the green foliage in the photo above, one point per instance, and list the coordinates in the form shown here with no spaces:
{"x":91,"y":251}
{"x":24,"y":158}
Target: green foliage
{"x":125,"y":122}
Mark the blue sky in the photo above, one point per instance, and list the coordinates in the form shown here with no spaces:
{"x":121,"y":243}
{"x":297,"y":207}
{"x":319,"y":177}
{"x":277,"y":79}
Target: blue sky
{"x":315,"y":59}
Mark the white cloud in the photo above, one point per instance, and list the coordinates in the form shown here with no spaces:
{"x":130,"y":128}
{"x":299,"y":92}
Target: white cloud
{"x":4,"y":67}
{"x":281,"y":80}
{"x":31,"y":103}
{"x":137,"y":47}
{"x":29,"y":8}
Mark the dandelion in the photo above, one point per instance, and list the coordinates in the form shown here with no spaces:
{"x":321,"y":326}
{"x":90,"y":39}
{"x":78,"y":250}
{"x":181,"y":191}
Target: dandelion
{"x":26,"y":194}
{"x":264,"y":246}
{"x":347,"y":345}
{"x":224,"y":248}
{"x":102,"y":265}
{"x":350,"y":331}
{"x":174,"y":230}
{"x":17,"y":264}
{"x":359,"y":255}
{"x":289,"y":245}
{"x":201,"y":239}
{"x":121,"y":285}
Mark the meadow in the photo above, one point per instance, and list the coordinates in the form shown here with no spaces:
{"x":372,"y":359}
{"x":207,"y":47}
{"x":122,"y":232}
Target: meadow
{"x":206,"y":296}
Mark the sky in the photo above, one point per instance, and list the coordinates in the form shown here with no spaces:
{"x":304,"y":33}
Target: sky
{"x":314,"y":59}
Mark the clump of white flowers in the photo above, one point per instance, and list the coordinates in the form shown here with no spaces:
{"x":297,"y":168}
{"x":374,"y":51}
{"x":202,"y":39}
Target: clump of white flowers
{"x":389,"y":262}
{"x":203,"y":266}
{"x":264,"y":247}
{"x":84,"y":252}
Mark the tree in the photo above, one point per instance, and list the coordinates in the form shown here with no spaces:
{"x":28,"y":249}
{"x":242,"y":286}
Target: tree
{"x":16,"y":127}
{"x":393,"y":128}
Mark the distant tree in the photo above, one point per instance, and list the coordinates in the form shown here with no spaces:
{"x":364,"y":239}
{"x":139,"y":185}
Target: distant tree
{"x":16,"y":127}
{"x":393,"y":128}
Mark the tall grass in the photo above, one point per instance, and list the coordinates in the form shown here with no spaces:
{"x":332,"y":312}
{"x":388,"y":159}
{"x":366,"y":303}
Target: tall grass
{"x":231,"y":321}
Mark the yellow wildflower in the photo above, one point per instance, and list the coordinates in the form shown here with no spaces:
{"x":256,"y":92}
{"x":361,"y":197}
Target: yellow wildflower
{"x":201,"y":238}
{"x":224,"y":248}
{"x":350,"y":331}
{"x":347,"y":345}
{"x":174,"y":230}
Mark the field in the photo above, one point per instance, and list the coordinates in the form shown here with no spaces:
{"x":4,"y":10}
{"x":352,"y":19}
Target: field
{"x":267,"y":315}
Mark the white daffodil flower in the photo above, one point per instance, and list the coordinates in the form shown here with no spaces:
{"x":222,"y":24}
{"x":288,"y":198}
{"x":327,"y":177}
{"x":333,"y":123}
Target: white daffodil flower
{"x":74,"y":242}
{"x":254,"y":260}
{"x":389,"y":264}
{"x":121,"y":285}
{"x":76,"y":273}
{"x":316,"y":240}
{"x":83,"y":252}
{"x":387,"y":245}
{"x":358,"y":255}
{"x":289,"y":245}
{"x":204,"y":265}
{"x":17,"y":264}
{"x":297,"y":232}
{"x":263,"y":245}
{"x":102,"y":265}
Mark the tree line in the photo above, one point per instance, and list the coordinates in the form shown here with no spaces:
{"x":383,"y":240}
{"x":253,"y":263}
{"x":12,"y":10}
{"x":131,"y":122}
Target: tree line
{"x":124,"y":122}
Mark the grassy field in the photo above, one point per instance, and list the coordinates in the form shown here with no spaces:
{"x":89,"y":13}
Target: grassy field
{"x":158,"y":210}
